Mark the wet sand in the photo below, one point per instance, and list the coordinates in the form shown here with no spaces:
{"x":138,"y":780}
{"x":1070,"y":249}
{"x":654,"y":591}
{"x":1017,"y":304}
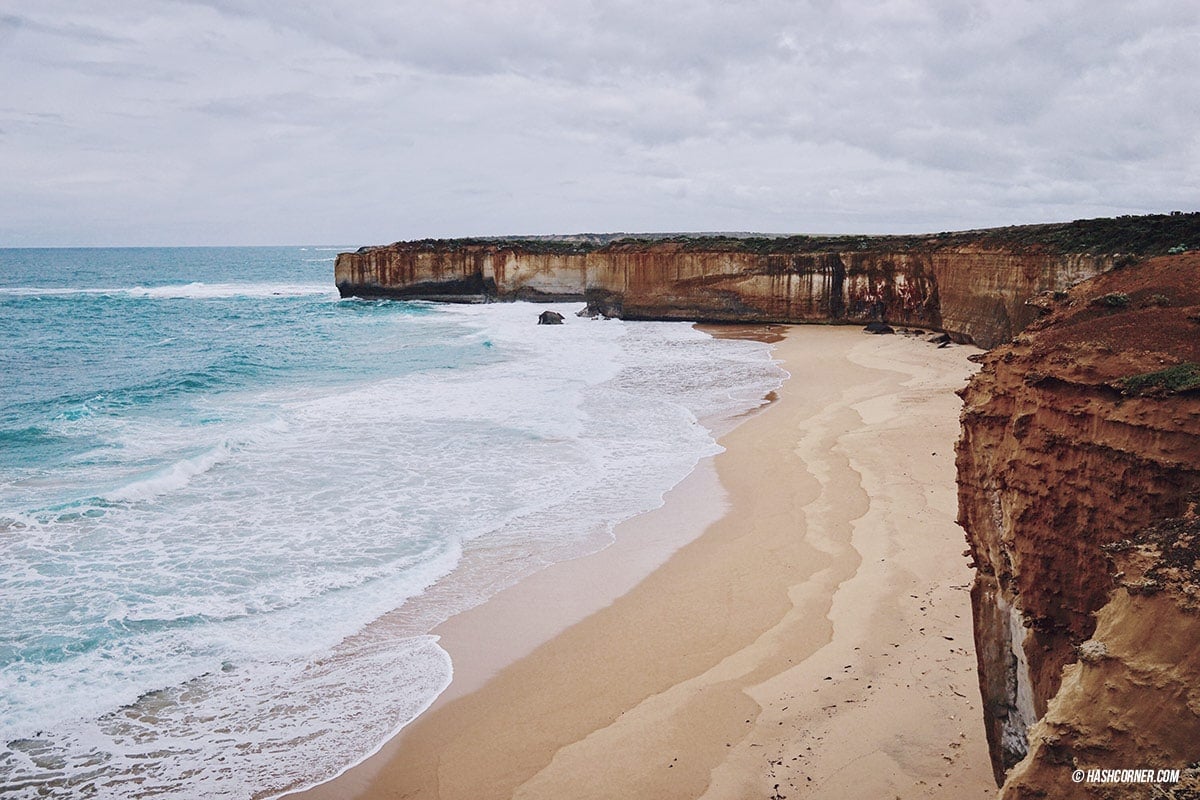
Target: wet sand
{"x":793,"y":622}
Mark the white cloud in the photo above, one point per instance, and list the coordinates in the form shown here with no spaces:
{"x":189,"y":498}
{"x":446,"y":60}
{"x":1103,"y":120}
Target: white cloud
{"x":248,"y":121}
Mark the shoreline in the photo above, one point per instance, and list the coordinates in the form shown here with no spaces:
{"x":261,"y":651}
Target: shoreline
{"x":749,"y":635}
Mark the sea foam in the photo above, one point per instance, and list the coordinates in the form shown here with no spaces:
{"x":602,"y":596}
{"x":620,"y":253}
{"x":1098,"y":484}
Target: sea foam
{"x":228,"y":589}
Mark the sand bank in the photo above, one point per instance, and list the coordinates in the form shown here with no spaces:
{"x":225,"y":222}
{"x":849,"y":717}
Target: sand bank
{"x":814,"y":641}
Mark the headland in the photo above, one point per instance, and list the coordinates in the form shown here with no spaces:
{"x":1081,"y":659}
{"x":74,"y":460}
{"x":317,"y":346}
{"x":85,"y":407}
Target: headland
{"x":815,"y":640}
{"x":973,"y":285}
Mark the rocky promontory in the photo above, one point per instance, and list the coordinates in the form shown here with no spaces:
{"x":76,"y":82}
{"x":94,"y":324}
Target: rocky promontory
{"x":973,"y":284}
{"x":1081,"y":434}
{"x":1078,"y":464}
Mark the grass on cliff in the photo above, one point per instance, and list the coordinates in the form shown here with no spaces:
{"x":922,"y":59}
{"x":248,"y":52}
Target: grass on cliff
{"x":1148,"y":235}
{"x":1179,"y":378}
{"x":1111,"y":300}
{"x":1133,"y":237}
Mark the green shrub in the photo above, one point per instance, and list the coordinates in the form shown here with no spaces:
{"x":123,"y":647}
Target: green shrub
{"x":1111,"y":300}
{"x":1179,"y":378}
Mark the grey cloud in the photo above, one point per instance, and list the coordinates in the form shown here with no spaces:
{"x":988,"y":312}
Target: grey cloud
{"x":591,"y":42}
{"x":123,"y":70}
{"x":384,"y":119}
{"x":292,"y":107}
{"x":11,"y":23}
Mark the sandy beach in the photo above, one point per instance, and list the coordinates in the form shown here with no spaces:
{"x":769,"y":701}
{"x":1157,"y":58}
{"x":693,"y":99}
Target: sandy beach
{"x":793,"y":622}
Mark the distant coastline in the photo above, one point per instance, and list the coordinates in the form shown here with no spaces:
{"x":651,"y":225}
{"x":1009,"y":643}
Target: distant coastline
{"x":974,"y":285}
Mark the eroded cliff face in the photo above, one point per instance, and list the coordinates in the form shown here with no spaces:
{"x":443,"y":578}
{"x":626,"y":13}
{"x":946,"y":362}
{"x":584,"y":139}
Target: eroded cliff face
{"x":673,"y":281}
{"x":976,"y":291}
{"x":1131,"y":700}
{"x":1078,"y":434}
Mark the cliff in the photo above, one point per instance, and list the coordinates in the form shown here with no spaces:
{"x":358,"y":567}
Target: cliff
{"x":973,"y":284}
{"x":1080,"y":433}
{"x":1131,"y":699}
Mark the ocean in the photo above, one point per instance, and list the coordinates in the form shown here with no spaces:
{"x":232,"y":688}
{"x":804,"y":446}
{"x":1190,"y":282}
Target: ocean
{"x":233,"y":505}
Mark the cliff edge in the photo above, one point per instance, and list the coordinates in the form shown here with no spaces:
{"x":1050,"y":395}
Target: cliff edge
{"x":973,"y":284}
{"x":1079,"y":434}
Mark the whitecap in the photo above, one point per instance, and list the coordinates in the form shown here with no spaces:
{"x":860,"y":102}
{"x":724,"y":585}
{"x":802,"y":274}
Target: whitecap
{"x":206,"y":291}
{"x":195,"y":290}
{"x":171,"y":478}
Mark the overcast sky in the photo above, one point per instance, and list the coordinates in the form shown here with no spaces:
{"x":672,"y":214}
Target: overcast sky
{"x":368,"y":121}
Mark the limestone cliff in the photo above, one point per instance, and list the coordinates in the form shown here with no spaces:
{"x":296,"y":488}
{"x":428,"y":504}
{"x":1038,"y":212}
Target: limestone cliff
{"x":1132,"y":699}
{"x":1078,"y":434}
{"x":973,"y":284}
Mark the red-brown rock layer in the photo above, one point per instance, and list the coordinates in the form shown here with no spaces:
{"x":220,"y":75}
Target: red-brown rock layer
{"x":974,"y":284}
{"x":976,"y":292}
{"x":1062,"y":454}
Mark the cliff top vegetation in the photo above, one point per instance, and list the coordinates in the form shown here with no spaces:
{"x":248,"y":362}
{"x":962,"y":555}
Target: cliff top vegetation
{"x":1135,"y":236}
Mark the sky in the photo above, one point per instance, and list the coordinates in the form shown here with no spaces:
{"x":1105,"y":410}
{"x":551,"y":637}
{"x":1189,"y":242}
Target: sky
{"x":242,"y":122}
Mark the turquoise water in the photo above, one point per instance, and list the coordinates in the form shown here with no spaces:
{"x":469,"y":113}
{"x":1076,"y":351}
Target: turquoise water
{"x":232,"y":505}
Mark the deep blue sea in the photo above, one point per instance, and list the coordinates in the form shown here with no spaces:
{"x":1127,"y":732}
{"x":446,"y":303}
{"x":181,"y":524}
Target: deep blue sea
{"x":232,"y":505}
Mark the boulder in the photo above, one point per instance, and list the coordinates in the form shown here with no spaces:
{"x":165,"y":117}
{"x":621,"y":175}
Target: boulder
{"x":879,"y":327}
{"x":550,"y":318}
